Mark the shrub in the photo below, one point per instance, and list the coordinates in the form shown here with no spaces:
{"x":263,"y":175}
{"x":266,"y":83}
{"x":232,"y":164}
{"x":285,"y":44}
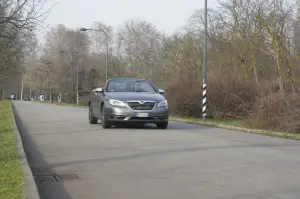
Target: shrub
{"x":277,"y":113}
{"x":230,"y":97}
{"x":185,"y":97}
{"x":227,"y":97}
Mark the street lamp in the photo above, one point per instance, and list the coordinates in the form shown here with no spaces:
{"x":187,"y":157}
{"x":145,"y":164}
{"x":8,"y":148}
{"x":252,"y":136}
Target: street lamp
{"x":204,"y":63}
{"x":22,"y":85}
{"x":62,"y":52}
{"x":106,"y":35}
{"x":77,"y":68}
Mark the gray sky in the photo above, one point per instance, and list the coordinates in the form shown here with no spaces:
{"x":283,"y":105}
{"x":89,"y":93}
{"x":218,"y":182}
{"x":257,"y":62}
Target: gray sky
{"x":166,"y":15}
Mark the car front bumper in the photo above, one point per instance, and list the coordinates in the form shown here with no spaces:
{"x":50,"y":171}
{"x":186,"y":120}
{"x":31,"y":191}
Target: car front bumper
{"x":128,"y":115}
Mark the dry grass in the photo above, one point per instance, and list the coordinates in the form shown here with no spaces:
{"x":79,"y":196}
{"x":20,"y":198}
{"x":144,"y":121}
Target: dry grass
{"x":232,"y":98}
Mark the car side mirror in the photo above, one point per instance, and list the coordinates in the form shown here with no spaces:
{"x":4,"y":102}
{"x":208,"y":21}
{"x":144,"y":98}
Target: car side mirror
{"x":161,"y":91}
{"x":98,"y":90}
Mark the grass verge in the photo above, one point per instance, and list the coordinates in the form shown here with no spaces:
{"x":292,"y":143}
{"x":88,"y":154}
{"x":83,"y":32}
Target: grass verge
{"x":11,"y":175}
{"x":237,"y":125}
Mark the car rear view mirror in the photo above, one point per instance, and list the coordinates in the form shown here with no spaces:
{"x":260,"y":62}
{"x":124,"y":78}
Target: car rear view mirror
{"x":98,"y":91}
{"x":161,"y":91}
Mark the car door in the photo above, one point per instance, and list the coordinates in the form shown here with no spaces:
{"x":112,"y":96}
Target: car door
{"x":98,"y":101}
{"x":93,"y":103}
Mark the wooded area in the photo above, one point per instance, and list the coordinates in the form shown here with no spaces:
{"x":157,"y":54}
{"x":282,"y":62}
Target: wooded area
{"x":18,"y":21}
{"x":253,"y":60}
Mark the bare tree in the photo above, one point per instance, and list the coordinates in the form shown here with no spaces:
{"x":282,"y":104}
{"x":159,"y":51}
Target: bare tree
{"x":18,"y":20}
{"x":142,"y":44}
{"x":24,"y":14}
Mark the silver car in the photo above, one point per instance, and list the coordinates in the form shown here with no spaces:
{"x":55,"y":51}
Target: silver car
{"x":128,"y":100}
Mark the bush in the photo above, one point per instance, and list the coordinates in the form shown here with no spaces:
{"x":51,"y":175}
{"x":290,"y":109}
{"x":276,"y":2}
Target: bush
{"x":227,"y":97}
{"x":185,"y":97}
{"x":230,"y":97}
{"x":277,"y":113}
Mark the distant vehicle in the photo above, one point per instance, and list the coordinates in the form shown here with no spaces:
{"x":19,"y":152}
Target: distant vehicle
{"x":26,"y":98}
{"x":12,"y":97}
{"x":128,"y":100}
{"x":41,"y":98}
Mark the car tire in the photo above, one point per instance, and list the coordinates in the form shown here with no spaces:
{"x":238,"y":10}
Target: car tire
{"x":163,"y":125}
{"x":92,"y":119}
{"x":105,"y":124}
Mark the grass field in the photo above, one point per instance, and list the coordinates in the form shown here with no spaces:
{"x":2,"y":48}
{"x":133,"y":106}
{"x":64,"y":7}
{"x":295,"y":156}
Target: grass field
{"x":11,"y":176}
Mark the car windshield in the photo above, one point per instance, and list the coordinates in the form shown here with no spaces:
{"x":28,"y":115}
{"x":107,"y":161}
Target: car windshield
{"x":126,"y":85}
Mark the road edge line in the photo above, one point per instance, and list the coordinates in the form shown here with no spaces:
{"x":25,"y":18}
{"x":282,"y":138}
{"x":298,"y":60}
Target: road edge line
{"x":242,"y":129}
{"x":30,"y":190}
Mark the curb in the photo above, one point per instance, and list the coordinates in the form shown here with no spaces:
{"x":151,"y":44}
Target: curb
{"x":242,"y":129}
{"x":30,"y":190}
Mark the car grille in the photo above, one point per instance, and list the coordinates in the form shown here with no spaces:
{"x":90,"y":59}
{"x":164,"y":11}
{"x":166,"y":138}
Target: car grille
{"x":138,"y":106}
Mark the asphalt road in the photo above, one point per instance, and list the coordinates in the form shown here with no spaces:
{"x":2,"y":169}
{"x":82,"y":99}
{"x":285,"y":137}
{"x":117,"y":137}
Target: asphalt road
{"x":183,"y":162}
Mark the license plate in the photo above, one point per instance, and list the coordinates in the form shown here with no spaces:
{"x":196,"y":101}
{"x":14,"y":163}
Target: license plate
{"x":142,"y":114}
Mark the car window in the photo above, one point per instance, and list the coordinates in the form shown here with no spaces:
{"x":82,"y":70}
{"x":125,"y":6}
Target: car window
{"x":130,"y":86}
{"x":143,"y":86}
{"x":116,"y":86}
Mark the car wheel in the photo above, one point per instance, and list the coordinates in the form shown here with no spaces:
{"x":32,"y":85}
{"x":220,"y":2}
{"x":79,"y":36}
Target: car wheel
{"x":92,"y":119}
{"x":105,"y":124}
{"x":163,"y":125}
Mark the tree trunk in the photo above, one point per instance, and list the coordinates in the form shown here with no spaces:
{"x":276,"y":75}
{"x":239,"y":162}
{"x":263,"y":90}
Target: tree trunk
{"x":255,"y":70}
{"x":2,"y":95}
{"x":280,"y":78}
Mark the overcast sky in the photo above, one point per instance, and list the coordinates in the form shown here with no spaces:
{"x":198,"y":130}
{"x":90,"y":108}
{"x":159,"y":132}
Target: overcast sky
{"x":166,"y":15}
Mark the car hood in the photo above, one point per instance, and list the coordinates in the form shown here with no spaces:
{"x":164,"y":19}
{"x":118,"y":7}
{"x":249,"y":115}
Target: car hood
{"x":135,"y":96}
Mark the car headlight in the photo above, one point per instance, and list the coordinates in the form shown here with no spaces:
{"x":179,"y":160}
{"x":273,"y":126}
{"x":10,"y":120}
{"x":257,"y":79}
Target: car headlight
{"x":117,"y":103}
{"x":163,"y":103}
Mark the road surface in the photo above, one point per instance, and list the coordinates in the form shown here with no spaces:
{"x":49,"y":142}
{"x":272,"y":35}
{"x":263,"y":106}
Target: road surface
{"x":183,"y":162}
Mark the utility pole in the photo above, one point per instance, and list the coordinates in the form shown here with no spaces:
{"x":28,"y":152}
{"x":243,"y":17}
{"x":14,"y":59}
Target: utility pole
{"x":107,"y":45}
{"x":204,"y":63}
{"x":30,"y":89}
{"x":106,"y":57}
{"x":43,"y":90}
{"x":22,"y":86}
{"x":48,"y":73}
{"x":77,"y":69}
{"x":77,"y":66}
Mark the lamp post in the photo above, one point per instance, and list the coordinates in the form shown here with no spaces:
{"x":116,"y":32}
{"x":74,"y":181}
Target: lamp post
{"x":22,"y":85}
{"x":204,"y":63}
{"x":106,"y":35}
{"x":30,"y":88}
{"x":77,"y":68}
